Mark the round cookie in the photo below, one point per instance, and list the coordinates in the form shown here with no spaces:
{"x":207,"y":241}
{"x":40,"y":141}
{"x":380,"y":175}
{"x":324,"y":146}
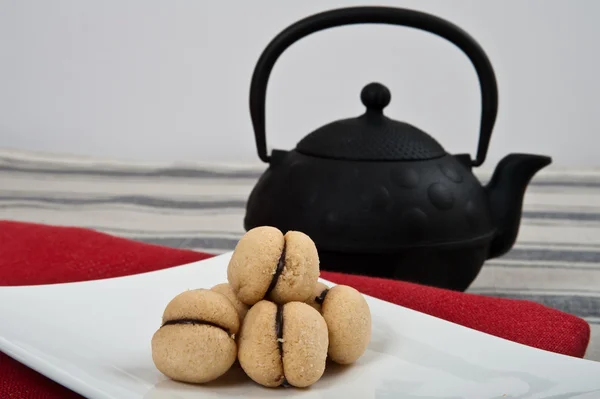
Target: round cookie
{"x":283,"y":344}
{"x":315,"y":300}
{"x":195,"y":342}
{"x":239,"y":306}
{"x":266,"y":264}
{"x":348,"y":320}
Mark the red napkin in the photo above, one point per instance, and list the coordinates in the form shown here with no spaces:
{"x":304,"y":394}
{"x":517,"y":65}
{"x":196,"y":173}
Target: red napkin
{"x":38,"y":254}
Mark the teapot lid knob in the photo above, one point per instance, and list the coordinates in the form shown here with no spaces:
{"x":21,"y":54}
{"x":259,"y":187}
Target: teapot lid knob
{"x":375,"y":97}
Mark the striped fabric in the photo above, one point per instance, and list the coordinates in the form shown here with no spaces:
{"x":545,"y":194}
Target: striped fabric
{"x":556,"y":260}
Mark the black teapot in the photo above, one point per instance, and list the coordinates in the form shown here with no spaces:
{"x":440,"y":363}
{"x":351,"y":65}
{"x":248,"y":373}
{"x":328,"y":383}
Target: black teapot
{"x":381,"y":197}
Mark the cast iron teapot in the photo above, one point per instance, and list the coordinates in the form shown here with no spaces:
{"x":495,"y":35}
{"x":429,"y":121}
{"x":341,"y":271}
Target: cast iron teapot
{"x":381,"y":197}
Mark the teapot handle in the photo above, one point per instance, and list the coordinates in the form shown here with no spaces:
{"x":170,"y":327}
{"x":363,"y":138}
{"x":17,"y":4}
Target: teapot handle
{"x":382,"y":15}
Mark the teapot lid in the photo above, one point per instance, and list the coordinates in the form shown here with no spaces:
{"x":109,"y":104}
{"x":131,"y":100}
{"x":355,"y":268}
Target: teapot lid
{"x":371,"y":136}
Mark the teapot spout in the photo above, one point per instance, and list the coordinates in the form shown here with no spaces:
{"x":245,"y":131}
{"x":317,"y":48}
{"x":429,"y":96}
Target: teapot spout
{"x":506,"y":191}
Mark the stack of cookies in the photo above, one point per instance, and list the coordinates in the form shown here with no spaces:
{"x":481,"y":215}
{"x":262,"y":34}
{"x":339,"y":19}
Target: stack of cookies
{"x":272,"y":315}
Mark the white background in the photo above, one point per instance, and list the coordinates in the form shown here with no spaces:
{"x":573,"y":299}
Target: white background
{"x":168,"y":80}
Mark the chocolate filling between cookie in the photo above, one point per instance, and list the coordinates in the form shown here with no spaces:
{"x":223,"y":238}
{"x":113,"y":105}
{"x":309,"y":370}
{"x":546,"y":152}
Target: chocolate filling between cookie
{"x":194,"y":322}
{"x":278,"y":271}
{"x":321,"y":298}
{"x":279,"y":334}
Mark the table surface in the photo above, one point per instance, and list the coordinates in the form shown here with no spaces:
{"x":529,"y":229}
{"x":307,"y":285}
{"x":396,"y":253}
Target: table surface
{"x":556,"y":260}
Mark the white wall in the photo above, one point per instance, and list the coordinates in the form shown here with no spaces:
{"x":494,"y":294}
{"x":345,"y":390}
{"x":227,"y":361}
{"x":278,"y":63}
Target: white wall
{"x":156,"y":80}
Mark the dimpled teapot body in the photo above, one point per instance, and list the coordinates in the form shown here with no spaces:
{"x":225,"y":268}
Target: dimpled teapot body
{"x":399,"y":211}
{"x":374,"y":206}
{"x":380,"y":197}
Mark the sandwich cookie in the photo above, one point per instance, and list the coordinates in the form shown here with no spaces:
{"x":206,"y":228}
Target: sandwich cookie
{"x":195,"y":343}
{"x":266,"y":264}
{"x":283,"y":344}
{"x":348,"y":319}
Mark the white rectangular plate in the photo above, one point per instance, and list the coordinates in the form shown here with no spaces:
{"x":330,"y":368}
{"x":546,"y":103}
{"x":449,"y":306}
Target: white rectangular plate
{"x":94,"y":337}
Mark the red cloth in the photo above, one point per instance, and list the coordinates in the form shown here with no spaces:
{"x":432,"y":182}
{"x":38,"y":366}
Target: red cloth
{"x":38,"y":254}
